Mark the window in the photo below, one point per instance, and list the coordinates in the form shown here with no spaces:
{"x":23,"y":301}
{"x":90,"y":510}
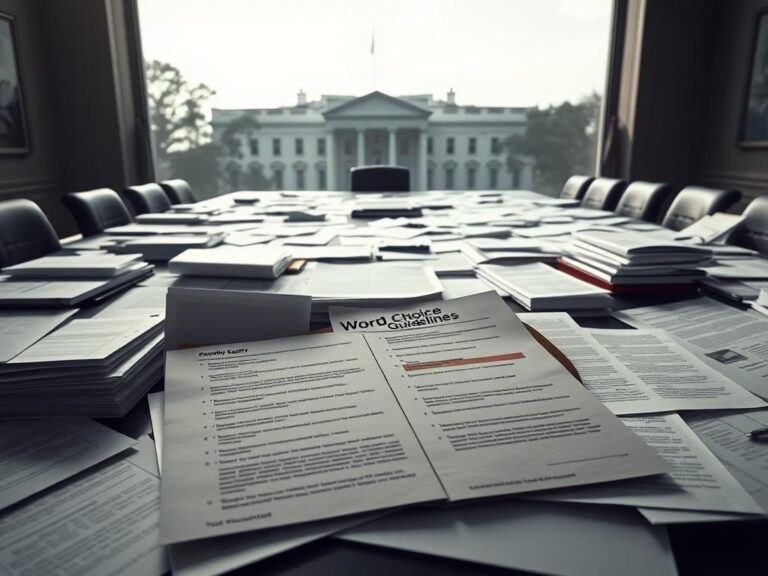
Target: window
{"x":449,"y":172}
{"x":276,"y":147}
{"x":493,"y":178}
{"x":300,"y":180}
{"x":430,"y":178}
{"x":321,"y":180}
{"x":277,"y":178}
{"x":216,"y":109}
{"x":471,"y":172}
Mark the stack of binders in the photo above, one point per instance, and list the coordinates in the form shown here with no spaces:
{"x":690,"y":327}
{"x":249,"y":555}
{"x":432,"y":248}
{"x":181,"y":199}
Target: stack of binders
{"x":94,"y":367}
{"x":629,"y":263}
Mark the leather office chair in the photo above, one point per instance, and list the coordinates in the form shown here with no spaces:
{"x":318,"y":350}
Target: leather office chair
{"x":643,"y":200}
{"x":753,"y":232}
{"x":147,"y":198}
{"x":575,"y":187}
{"x":380,"y":179}
{"x":178,"y":191}
{"x":695,"y":202}
{"x":96,"y":210}
{"x":603,"y":193}
{"x":25,"y":232}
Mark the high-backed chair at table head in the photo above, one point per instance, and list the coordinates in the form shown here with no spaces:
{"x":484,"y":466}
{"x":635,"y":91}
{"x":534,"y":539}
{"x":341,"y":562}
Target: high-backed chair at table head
{"x":380,"y":179}
{"x":603,"y":193}
{"x":575,"y":187}
{"x":25,"y":232}
{"x":178,"y":191}
{"x":96,"y":210}
{"x":695,"y":202}
{"x":147,"y":198}
{"x":753,"y":231}
{"x":643,"y":200}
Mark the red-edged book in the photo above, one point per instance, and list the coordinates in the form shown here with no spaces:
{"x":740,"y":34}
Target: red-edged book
{"x":628,"y":289}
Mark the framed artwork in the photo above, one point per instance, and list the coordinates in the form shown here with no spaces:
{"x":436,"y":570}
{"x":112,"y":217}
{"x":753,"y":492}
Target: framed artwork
{"x":754,"y":122}
{"x":14,"y":138}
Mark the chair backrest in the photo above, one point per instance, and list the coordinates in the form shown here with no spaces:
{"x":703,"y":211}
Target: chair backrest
{"x":96,"y":210}
{"x":147,"y":198}
{"x":380,"y":179}
{"x":695,"y":202}
{"x":575,"y":187}
{"x":25,"y":232}
{"x":603,"y":193}
{"x":178,"y":191}
{"x":753,"y":232}
{"x":643,"y":200}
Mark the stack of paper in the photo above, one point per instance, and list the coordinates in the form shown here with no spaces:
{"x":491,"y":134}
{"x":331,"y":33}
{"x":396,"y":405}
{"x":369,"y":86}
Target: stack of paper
{"x":385,"y":208}
{"x":539,"y":287}
{"x":163,"y":247}
{"x":629,"y":262}
{"x":97,"y":367}
{"x":171,"y":218}
{"x":233,"y":261}
{"x":88,"y":265}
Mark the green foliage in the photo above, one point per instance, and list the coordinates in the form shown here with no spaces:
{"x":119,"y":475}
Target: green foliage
{"x":562,"y":140}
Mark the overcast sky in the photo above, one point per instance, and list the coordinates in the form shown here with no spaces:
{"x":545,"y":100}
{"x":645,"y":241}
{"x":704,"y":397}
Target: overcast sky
{"x":491,"y":52}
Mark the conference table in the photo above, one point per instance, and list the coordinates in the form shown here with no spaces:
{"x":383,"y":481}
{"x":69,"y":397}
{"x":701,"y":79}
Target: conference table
{"x":699,"y":549}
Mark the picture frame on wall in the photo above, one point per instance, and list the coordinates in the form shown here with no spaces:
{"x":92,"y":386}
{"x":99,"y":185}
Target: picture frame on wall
{"x":14,"y":136}
{"x":754,"y":121}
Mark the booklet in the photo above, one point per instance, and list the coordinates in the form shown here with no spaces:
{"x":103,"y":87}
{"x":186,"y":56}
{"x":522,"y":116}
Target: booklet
{"x":447,"y":401}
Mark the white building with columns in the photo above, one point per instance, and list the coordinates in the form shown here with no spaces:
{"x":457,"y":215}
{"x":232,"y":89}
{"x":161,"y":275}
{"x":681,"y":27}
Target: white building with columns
{"x":313,"y":145}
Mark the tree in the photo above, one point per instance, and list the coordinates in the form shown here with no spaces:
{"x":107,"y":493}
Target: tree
{"x":180,"y":130}
{"x":562,"y":140}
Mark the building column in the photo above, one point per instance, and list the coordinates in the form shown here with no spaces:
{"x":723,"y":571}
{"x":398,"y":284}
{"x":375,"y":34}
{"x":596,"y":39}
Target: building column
{"x":330,"y":161}
{"x":360,"y":147}
{"x":422,"y":161}
{"x":393,"y":146}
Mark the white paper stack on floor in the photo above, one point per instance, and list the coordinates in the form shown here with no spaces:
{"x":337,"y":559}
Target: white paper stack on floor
{"x":97,"y":367}
{"x":615,"y":259}
{"x":233,"y":261}
{"x":539,"y":287}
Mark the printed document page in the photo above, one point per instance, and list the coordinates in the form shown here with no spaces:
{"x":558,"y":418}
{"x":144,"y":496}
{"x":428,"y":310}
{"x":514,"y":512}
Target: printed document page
{"x":723,"y":337}
{"x":697,"y":481}
{"x":104,"y":522}
{"x":19,"y":330}
{"x":672,"y":373}
{"x":35,"y":455}
{"x":495,"y":413}
{"x":283,"y":431}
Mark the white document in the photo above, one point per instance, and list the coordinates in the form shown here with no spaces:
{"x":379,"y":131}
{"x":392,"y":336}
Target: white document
{"x":740,"y":269}
{"x":87,"y":340}
{"x":538,"y":537}
{"x":36,"y":455}
{"x":481,"y":393}
{"x":673,"y":377}
{"x":697,"y":481}
{"x":723,"y":337}
{"x":103,"y":523}
{"x":197,"y":317}
{"x":710,"y":227}
{"x":225,"y":553}
{"x":20,"y":329}
{"x":649,"y":381}
{"x":139,"y":300}
{"x":280,"y":432}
